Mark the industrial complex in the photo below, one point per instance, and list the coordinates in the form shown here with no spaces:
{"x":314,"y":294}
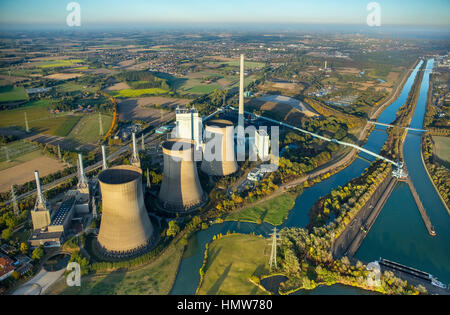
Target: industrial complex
{"x":52,"y":228}
{"x":196,"y":145}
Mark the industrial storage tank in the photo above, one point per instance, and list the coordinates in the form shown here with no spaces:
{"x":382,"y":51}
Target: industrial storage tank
{"x":125,"y":227}
{"x":180,"y":187}
{"x":219,"y":136}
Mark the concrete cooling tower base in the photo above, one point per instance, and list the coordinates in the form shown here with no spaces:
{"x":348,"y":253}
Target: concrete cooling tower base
{"x":103,"y":254}
{"x":171,"y":208}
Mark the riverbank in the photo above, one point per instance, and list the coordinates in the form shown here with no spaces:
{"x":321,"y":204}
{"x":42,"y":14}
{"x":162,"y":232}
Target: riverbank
{"x":433,"y":152}
{"x":349,"y":241}
{"x":396,"y":93}
{"x":431,"y":179}
{"x":399,"y":233}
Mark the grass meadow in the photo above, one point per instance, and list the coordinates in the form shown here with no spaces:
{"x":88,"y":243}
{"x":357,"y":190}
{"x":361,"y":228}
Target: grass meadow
{"x":273,"y":211}
{"x":155,"y":278}
{"x":87,"y":130}
{"x":39,"y":118}
{"x":231,"y":261}
{"x":442,"y":145}
{"x":12,"y":94}
{"x":137,"y":93}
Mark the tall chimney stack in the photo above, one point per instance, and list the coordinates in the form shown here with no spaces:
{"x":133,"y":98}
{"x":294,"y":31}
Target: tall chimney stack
{"x":134,"y":146}
{"x":240,"y":130}
{"x":40,"y":196}
{"x":105,"y":165}
{"x":40,"y":215}
{"x":135,"y":159}
{"x":82,"y":182}
{"x":241,"y":94}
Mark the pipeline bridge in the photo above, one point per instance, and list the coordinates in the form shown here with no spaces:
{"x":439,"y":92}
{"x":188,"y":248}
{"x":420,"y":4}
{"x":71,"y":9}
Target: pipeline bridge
{"x":399,"y":165}
{"x":389,"y":125}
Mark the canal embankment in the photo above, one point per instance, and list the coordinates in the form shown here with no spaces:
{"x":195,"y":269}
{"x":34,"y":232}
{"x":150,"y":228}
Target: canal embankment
{"x":349,"y":241}
{"x":432,"y":181}
{"x":423,"y":212}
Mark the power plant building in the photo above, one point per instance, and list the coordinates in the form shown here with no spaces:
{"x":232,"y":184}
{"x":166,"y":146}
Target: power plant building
{"x":125,"y":228}
{"x":219,"y":156}
{"x":189,"y":126}
{"x":262,"y":144}
{"x":180,"y":188}
{"x":49,"y":230}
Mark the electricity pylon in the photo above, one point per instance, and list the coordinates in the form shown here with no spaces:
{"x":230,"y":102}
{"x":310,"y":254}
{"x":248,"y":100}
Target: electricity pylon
{"x":14,"y":201}
{"x":273,"y":254}
{"x":27,"y":127}
{"x":8,"y":159}
{"x":59,"y":152}
{"x":94,"y":208}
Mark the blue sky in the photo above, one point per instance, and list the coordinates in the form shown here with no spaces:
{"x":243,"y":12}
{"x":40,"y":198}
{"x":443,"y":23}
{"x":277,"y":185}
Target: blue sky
{"x":131,"y":12}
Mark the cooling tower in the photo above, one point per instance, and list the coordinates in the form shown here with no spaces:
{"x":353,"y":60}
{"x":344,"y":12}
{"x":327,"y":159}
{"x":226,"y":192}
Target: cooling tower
{"x":180,"y":188}
{"x":125,"y":227}
{"x":218,"y":156}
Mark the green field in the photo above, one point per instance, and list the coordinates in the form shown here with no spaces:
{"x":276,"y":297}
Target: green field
{"x":138,"y":93}
{"x":71,"y":87}
{"x":39,"y":119}
{"x":16,"y":149}
{"x":155,"y":278}
{"x":81,"y":68}
{"x":87,"y":130}
{"x":67,"y":123}
{"x":248,"y":64}
{"x":273,"y":211}
{"x":204,"y":89}
{"x":12,"y":94}
{"x":231,"y":261}
{"x":26,"y":157}
{"x":442,"y":145}
{"x":59,"y":63}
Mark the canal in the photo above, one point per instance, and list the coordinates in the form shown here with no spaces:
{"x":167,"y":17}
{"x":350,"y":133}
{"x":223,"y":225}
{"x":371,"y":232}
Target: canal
{"x":188,"y":274}
{"x":399,"y":233}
